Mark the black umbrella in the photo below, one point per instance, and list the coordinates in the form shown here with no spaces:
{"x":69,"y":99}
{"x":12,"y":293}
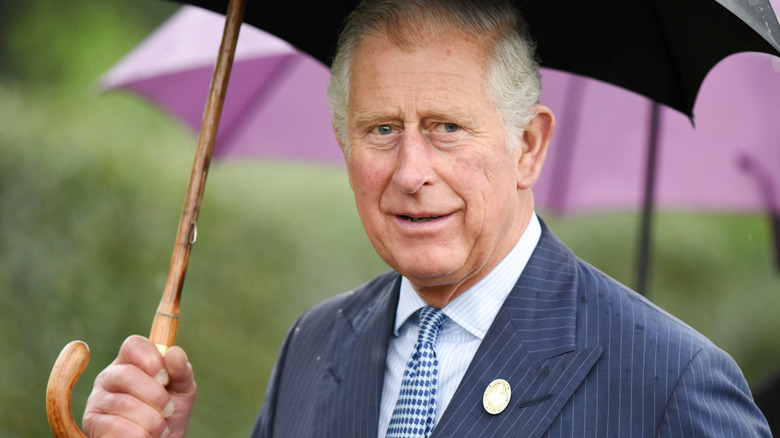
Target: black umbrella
{"x":661,"y":49}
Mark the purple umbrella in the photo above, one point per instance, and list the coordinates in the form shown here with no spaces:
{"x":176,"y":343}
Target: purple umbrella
{"x":616,"y":150}
{"x":275,"y":107}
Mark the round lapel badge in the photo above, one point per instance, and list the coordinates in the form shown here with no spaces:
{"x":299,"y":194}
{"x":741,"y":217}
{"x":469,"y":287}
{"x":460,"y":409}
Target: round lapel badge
{"x":497,"y":396}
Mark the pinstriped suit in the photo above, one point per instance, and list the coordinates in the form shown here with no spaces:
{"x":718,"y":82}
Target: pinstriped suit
{"x":585,"y":357}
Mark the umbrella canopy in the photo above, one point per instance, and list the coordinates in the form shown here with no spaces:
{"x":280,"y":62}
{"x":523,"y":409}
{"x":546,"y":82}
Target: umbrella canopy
{"x":615,"y":150}
{"x":275,"y":107}
{"x":592,"y":165}
{"x":658,"y":48}
{"x":728,"y":161}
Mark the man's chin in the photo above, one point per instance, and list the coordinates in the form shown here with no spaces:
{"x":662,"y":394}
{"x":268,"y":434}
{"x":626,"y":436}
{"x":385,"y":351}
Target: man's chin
{"x":426,"y":271}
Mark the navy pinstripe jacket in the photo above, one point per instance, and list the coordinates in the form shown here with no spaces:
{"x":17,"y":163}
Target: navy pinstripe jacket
{"x":585,"y":357}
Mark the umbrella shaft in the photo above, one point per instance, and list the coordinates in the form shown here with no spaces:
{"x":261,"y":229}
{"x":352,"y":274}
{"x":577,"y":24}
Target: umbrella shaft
{"x":166,"y":320}
{"x":648,"y":202}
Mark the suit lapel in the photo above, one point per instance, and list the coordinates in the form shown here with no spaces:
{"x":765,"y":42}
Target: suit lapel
{"x":532,"y":345}
{"x":354,"y":377}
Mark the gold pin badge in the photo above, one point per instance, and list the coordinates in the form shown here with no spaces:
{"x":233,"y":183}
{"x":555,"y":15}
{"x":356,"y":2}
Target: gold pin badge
{"x":497,"y":396}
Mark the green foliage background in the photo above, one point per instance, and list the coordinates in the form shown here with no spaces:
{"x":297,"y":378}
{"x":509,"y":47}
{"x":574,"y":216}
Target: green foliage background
{"x":90,"y":192}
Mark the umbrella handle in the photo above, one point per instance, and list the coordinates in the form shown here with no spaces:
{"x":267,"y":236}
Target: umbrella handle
{"x":67,"y":369}
{"x":74,"y":357}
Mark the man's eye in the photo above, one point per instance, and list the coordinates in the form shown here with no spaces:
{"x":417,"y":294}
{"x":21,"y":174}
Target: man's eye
{"x":384,"y":129}
{"x":450,"y":127}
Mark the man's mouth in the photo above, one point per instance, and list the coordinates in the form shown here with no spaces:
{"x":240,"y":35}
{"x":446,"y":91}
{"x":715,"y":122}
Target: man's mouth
{"x":419,"y":219}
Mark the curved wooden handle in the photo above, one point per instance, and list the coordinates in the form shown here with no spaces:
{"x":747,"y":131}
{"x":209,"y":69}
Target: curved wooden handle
{"x":69,"y":366}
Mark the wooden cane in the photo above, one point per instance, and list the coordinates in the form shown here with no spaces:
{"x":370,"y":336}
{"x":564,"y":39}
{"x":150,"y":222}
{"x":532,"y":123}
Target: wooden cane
{"x":74,"y":357}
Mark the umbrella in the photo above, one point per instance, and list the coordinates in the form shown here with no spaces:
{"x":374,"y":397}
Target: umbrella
{"x":171,"y":68}
{"x":728,"y":161}
{"x":661,"y":49}
{"x":273,"y":89}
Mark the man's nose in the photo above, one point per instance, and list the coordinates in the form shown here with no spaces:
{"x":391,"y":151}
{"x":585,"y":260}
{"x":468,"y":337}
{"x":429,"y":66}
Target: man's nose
{"x":414,"y":163}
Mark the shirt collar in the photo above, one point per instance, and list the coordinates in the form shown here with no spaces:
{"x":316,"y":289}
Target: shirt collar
{"x":476,"y":308}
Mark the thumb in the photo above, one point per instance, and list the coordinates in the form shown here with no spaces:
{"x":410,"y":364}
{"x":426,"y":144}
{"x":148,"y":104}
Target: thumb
{"x":179,"y":371}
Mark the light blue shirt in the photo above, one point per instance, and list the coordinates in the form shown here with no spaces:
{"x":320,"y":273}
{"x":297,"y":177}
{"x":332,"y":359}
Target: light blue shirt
{"x":470,"y":316}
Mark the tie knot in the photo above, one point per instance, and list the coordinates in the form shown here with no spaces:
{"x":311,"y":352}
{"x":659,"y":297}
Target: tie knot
{"x":430,"y":323}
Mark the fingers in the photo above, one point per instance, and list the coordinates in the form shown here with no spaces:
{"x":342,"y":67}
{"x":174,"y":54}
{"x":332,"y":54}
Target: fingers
{"x":129,"y":380}
{"x":142,"y":353}
{"x":112,"y":414}
{"x":130,"y":397}
{"x":139,"y":370}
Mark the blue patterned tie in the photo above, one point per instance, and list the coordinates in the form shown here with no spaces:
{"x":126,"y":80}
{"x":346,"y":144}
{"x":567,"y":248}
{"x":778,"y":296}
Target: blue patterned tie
{"x":415,"y":409}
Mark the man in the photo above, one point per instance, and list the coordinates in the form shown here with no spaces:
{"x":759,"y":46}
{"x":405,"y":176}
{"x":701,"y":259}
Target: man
{"x":435,"y":107}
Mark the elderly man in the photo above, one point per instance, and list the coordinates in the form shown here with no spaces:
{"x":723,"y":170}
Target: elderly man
{"x":487,"y":325}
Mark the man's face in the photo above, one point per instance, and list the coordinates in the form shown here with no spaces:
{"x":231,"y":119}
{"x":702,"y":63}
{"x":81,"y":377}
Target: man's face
{"x":435,"y":187}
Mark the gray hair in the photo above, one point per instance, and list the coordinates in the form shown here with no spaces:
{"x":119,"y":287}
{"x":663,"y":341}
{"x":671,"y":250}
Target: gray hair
{"x":513,"y":83}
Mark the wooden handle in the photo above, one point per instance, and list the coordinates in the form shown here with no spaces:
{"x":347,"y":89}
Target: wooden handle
{"x":69,"y":366}
{"x":74,"y":357}
{"x":166,"y":320}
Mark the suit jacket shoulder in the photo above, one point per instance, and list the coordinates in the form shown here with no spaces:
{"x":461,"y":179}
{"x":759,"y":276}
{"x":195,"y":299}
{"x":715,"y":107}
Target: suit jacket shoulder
{"x":328,"y":378}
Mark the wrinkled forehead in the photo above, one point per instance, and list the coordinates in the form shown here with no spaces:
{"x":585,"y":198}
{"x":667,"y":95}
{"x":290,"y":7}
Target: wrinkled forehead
{"x":445,"y":52}
{"x":443,"y":77}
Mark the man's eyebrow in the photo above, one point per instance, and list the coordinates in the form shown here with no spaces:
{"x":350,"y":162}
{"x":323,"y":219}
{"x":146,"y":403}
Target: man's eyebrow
{"x":455,"y":115}
{"x":364,"y":118}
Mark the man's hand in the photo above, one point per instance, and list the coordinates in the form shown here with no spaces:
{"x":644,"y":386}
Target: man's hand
{"x":142,"y":393}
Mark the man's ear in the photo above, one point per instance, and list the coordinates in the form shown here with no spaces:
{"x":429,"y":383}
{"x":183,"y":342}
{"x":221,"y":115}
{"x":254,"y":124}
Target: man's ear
{"x":533,"y":150}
